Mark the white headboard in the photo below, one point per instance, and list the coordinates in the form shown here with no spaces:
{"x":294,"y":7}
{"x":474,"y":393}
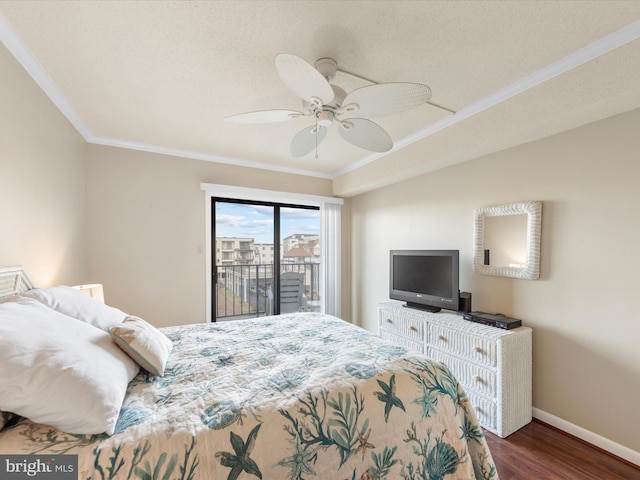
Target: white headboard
{"x":13,"y":280}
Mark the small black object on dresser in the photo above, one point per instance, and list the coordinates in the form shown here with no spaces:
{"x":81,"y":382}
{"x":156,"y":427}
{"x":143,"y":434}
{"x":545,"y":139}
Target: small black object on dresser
{"x":464,"y":302}
{"x":493,"y":320}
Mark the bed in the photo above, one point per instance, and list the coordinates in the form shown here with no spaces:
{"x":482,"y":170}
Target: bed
{"x":296,"y":396}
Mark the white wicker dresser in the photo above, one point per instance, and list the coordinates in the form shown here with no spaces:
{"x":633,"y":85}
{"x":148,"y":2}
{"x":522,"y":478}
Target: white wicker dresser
{"x":493,"y":365}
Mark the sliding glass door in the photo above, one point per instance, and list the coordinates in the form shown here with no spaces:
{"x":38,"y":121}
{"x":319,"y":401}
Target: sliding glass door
{"x":266,"y":258}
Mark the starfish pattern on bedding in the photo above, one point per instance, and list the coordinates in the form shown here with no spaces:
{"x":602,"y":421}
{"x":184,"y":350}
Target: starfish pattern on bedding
{"x":388,"y":397}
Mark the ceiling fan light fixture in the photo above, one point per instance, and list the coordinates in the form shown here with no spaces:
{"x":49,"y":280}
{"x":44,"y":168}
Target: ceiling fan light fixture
{"x":325,"y":118}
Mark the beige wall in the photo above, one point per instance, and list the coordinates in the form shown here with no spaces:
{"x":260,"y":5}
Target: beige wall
{"x":42,"y":187}
{"x":146,"y":218}
{"x":583,"y":310}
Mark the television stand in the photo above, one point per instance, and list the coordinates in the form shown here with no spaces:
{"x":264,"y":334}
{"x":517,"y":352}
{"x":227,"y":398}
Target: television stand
{"x":424,"y":308}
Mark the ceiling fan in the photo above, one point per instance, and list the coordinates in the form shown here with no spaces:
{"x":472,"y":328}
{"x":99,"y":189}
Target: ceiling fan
{"x":328,"y":104}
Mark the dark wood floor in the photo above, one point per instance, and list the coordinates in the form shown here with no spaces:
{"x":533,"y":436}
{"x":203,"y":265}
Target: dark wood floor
{"x":541,"y":452}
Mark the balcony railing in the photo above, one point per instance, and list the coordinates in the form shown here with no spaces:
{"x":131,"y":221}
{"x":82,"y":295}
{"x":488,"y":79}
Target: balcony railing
{"x":243,"y":290}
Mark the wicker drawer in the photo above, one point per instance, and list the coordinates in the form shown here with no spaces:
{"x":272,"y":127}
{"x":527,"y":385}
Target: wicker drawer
{"x":405,"y":342}
{"x":475,"y":348}
{"x":486,"y":411}
{"x":409,"y":327}
{"x":471,"y":376}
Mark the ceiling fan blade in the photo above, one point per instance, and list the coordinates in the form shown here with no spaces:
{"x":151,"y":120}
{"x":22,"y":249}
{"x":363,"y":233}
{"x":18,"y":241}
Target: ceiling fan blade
{"x":307,"y":139}
{"x":264,"y":116}
{"x":303,"y":79}
{"x":387,"y":98}
{"x":365,"y":134}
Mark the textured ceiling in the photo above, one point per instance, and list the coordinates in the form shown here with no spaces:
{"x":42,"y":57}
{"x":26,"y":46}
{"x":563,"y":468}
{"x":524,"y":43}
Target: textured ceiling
{"x":161,"y":75}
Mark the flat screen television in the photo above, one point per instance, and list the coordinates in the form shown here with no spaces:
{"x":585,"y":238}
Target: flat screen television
{"x":425,"y":279}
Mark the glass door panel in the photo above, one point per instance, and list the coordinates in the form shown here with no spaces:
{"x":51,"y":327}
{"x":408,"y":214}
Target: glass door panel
{"x":300,"y":266}
{"x":243,"y":260}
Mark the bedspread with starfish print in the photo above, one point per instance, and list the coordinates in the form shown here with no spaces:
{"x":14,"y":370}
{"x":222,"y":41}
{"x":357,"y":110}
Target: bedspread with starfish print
{"x":297,"y":396}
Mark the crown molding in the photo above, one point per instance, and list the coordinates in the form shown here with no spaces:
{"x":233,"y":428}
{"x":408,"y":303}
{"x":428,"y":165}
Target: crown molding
{"x":23,"y":55}
{"x":114,"y":142}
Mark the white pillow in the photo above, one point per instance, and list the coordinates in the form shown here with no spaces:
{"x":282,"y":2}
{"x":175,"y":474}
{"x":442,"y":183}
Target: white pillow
{"x":143,"y":342}
{"x":59,"y":371}
{"x":78,"y":305}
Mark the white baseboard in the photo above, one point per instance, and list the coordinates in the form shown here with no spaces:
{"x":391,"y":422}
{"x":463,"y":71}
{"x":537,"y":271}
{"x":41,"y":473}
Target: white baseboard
{"x":590,"y":437}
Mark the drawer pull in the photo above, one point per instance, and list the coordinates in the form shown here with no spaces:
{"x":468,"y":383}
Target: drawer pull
{"x":440,"y":337}
{"x":478,"y":350}
{"x":389,"y":320}
{"x":413,"y":329}
{"x":479,"y":410}
{"x":478,"y":379}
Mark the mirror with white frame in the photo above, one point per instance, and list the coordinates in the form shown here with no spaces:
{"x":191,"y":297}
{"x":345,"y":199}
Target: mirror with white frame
{"x":507,"y":240}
